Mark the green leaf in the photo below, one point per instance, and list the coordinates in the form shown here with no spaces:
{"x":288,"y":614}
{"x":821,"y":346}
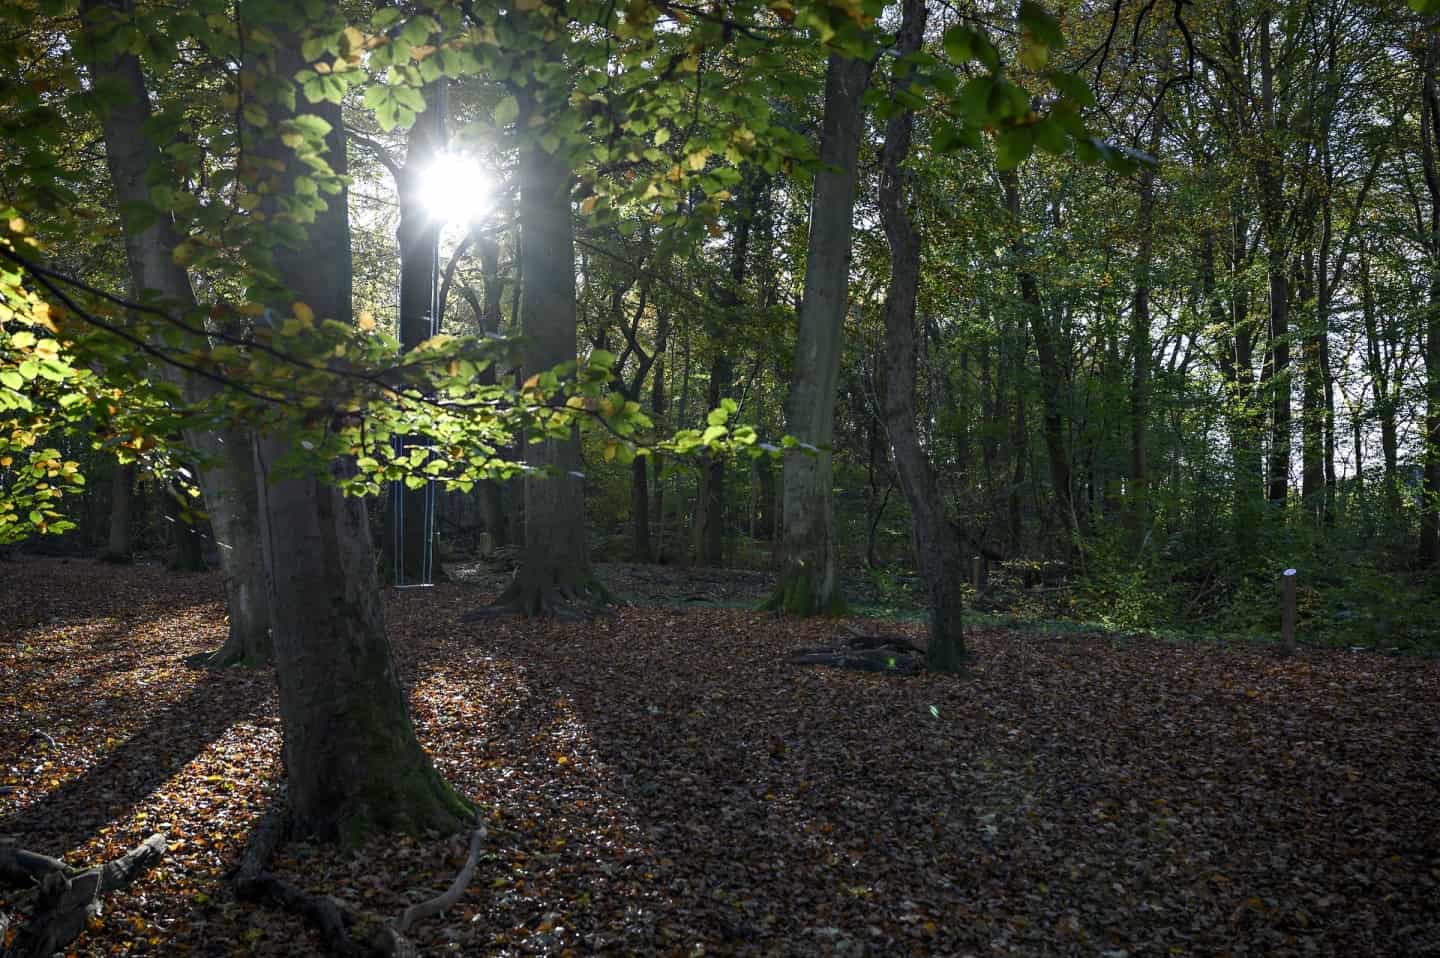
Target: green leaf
{"x":947,"y":138}
{"x":1013,"y":147}
{"x":1040,"y":24}
{"x":506,"y":111}
{"x":1071,"y":86}
{"x":11,"y":378}
{"x":1050,"y":136}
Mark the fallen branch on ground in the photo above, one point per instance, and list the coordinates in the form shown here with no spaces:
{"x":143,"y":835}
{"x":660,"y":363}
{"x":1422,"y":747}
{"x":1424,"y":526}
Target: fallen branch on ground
{"x":65,"y":898}
{"x":867,"y":653}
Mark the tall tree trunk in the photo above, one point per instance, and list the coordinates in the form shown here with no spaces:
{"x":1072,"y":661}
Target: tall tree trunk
{"x":354,"y":764}
{"x":710,"y":510}
{"x":1140,"y":350}
{"x":555,"y":572}
{"x":1312,"y":398}
{"x":187,"y":545}
{"x":809,"y":582}
{"x":1053,"y":375}
{"x":1380,"y":388}
{"x":936,"y":544}
{"x":226,"y":468}
{"x":1236,"y":355}
{"x":492,"y":492}
{"x":645,"y":551}
{"x":1430,"y":138}
{"x":710,"y":532}
{"x":122,"y":486}
{"x":1269,"y":176}
{"x":407,"y":557}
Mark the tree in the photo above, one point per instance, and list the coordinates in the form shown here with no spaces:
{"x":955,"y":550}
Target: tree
{"x":810,"y":579}
{"x":226,"y":473}
{"x":353,"y":762}
{"x":936,"y":543}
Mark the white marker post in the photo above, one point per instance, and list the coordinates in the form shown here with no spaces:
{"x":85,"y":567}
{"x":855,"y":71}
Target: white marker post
{"x":1287,"y":613}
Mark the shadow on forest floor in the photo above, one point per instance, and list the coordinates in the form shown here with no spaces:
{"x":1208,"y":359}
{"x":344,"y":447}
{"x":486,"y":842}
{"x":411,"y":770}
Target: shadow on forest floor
{"x":662,"y":781}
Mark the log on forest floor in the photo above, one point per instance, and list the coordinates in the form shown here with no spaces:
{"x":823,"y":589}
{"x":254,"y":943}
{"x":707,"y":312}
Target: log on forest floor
{"x":345,"y":931}
{"x":63,"y":899}
{"x":867,"y":653}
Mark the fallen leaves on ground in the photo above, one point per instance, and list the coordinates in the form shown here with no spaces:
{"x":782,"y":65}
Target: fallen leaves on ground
{"x":661,"y":782}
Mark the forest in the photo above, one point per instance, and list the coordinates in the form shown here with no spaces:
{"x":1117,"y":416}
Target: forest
{"x":683,"y":477}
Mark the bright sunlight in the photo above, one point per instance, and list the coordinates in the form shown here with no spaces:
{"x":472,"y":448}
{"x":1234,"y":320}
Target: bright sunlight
{"x":455,"y":189}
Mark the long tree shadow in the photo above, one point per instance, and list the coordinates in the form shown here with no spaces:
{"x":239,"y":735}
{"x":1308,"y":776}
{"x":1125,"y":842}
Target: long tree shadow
{"x":100,"y":709}
{"x":174,"y":734}
{"x":790,"y":810}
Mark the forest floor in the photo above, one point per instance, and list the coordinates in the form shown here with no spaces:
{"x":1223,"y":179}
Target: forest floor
{"x":663,"y":782}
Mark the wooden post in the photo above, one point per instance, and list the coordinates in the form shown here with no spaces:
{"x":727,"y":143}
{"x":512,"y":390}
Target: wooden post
{"x":978,"y":574}
{"x":1287,"y":613}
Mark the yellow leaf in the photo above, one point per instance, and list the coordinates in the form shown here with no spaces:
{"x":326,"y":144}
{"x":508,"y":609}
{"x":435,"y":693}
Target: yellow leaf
{"x":17,"y":224}
{"x":532,"y":382}
{"x":351,"y":39}
{"x":366,"y":322}
{"x":698,"y":158}
{"x":304,"y":313}
{"x":588,"y":205}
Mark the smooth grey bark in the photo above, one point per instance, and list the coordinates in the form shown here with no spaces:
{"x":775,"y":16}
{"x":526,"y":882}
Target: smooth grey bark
{"x":226,"y":473}
{"x":809,"y":582}
{"x":936,"y":544}
{"x":1269,"y":180}
{"x":354,"y":764}
{"x":555,"y":575}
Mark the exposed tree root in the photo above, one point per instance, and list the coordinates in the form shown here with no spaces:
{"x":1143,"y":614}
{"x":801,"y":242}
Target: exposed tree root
{"x":549,"y":595}
{"x":345,"y":931}
{"x":63,"y":899}
{"x":233,"y":654}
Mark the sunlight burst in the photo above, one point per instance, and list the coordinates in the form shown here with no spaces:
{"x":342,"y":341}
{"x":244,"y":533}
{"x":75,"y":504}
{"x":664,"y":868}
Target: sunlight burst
{"x":455,"y":189}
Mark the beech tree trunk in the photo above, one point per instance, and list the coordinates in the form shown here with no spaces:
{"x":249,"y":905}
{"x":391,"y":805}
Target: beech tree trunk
{"x":1140,"y":347}
{"x":226,"y":468}
{"x":809,"y":582}
{"x":354,"y":764}
{"x":1269,"y":177}
{"x":491,"y":493}
{"x":408,"y":532}
{"x":119,"y":548}
{"x":1052,"y":374}
{"x":936,"y":544}
{"x":1430,"y":139}
{"x":555,"y":573}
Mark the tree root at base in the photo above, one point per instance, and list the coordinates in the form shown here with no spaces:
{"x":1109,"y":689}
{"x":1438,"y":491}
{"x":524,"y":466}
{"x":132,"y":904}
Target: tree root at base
{"x":564,"y":603}
{"x":345,"y":931}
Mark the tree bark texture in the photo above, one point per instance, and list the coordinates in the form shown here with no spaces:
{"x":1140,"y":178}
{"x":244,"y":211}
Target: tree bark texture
{"x":936,"y":544}
{"x":354,"y":764}
{"x":226,"y":468}
{"x":810,"y":578}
